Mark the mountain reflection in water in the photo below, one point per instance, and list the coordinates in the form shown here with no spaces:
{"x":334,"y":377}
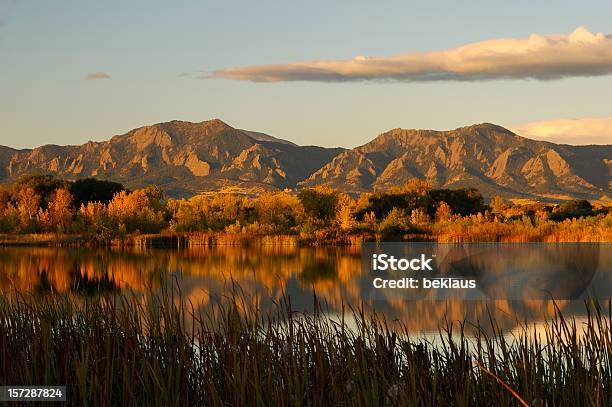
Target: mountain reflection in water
{"x":264,"y":275}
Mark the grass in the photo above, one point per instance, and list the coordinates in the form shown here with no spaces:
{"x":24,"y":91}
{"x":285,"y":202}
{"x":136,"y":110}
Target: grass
{"x":115,"y":350}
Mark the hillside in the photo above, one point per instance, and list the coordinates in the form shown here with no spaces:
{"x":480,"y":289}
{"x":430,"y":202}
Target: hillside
{"x":183,"y":158}
{"x":485,"y":156}
{"x":186,"y":158}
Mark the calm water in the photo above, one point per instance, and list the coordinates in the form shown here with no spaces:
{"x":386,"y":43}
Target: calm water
{"x":263,"y":275}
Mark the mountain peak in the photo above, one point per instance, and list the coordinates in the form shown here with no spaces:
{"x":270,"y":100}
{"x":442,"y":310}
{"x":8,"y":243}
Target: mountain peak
{"x":215,"y":122}
{"x":185,"y":126}
{"x":185,"y":158}
{"x":479,"y":128}
{"x":487,"y":127}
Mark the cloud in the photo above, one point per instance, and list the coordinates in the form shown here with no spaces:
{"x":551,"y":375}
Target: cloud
{"x":543,"y":57}
{"x":98,"y":75}
{"x":569,"y":131}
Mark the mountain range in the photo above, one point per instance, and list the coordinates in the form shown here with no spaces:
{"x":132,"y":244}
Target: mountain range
{"x":187,"y":158}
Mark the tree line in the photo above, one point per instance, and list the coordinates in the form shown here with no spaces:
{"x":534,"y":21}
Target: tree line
{"x":105,"y":210}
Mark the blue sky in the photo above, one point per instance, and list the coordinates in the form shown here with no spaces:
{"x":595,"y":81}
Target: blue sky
{"x":49,"y":48}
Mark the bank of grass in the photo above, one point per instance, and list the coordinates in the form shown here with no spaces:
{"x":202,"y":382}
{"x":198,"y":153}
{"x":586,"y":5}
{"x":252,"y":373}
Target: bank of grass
{"x":582,"y":230}
{"x":115,"y":351}
{"x":585,"y":229}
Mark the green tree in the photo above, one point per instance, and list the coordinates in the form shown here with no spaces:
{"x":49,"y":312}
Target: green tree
{"x":572,"y":209}
{"x":319,"y":202}
{"x":462,"y":201}
{"x":43,"y":185}
{"x":93,"y":190}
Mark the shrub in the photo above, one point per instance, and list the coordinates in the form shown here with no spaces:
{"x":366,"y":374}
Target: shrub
{"x":319,"y":203}
{"x":395,"y":222}
{"x":572,"y":209}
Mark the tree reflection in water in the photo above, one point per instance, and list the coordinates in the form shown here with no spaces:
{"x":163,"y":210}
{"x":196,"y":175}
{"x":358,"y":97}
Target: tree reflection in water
{"x":264,"y":275}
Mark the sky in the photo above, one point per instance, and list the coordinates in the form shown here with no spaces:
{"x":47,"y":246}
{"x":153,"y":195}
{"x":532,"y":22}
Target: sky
{"x":316,"y":73}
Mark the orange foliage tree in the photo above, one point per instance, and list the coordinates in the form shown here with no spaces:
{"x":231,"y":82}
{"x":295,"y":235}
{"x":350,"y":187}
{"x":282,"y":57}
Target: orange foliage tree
{"x":140,"y":210}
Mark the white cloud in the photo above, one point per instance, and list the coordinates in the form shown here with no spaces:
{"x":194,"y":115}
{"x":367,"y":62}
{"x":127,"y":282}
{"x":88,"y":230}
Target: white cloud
{"x":569,"y":131}
{"x":98,"y":75}
{"x":580,"y":53}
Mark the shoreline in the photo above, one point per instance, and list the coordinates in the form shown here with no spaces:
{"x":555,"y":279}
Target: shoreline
{"x":209,"y":239}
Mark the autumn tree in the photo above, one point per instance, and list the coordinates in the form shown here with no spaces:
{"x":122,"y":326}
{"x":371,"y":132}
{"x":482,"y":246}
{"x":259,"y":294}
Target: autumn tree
{"x":188,"y":215}
{"x":419,"y":216}
{"x":395,"y":222}
{"x":42,"y":184}
{"x":444,"y":212}
{"x":417,"y":186}
{"x":280,"y":210}
{"x":226,"y":209}
{"x":370,"y":221}
{"x":60,"y":210}
{"x":498,"y":205}
{"x":5,"y":199}
{"x":140,"y":210}
{"x":5,"y":202}
{"x":97,"y":222}
{"x":345,"y":216}
{"x":27,"y":204}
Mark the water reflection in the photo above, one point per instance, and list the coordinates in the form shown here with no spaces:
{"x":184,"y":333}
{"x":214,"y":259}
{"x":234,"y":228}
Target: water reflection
{"x":512,"y":271}
{"x":265,"y":274}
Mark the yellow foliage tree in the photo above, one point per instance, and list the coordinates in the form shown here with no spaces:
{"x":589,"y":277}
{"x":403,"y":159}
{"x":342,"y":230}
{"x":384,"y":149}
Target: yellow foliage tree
{"x":417,"y":186}
{"x":419,"y":216}
{"x":345,"y":213}
{"x":60,"y":210}
{"x":136,"y":211}
{"x":444,"y":212}
{"x":279,"y":210}
{"x":28,"y":202}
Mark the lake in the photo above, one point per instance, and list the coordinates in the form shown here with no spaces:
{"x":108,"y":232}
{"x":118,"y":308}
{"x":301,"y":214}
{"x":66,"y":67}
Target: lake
{"x":263,"y":276}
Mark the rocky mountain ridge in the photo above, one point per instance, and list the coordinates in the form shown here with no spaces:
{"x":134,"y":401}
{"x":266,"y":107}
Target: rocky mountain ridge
{"x":187,"y":158}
